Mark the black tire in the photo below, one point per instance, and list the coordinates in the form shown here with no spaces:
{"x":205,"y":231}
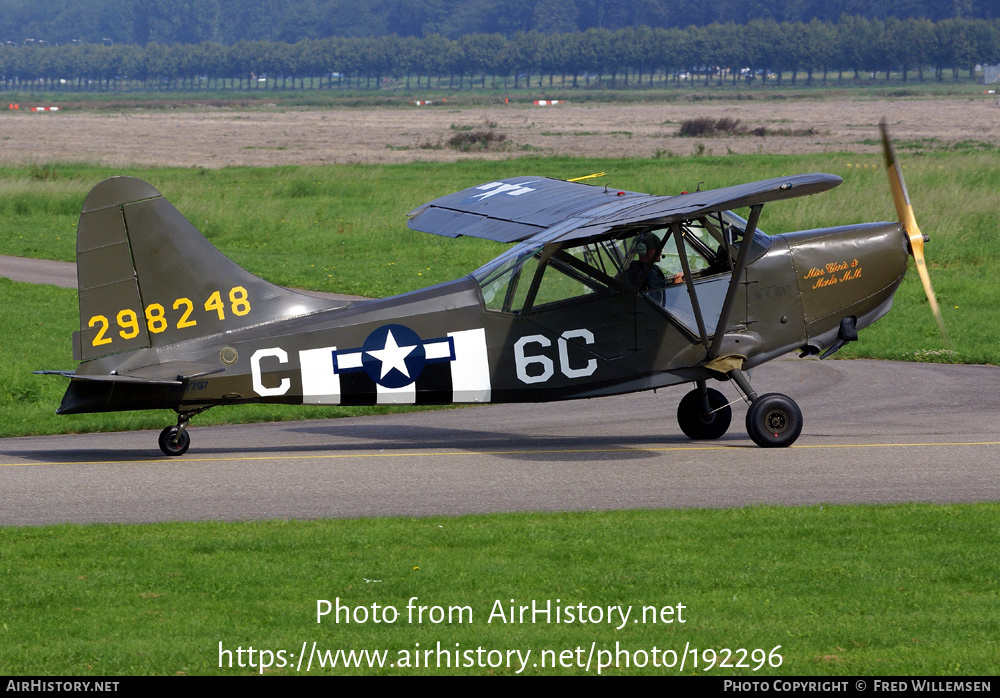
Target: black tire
{"x":173,"y":443}
{"x":697,"y":425}
{"x":774,"y":421}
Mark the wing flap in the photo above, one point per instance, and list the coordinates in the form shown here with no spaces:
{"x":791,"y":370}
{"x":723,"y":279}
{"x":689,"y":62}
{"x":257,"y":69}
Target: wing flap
{"x":453,"y":224}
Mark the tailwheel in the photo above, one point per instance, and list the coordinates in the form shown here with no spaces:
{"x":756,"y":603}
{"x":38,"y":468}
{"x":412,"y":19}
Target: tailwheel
{"x":774,"y":421}
{"x":174,"y":441}
{"x":698,"y":423}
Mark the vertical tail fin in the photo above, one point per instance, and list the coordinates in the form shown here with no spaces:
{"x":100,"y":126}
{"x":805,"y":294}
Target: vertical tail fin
{"x":148,"y":278}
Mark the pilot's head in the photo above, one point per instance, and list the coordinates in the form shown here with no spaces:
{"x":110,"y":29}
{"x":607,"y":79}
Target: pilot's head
{"x":647,"y":246}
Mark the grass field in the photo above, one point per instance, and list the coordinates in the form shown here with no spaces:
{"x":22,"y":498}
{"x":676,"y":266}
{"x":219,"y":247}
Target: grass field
{"x":853,"y":591}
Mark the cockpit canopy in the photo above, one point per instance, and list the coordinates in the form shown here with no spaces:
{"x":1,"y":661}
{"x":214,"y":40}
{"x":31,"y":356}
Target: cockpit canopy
{"x":538,"y":275}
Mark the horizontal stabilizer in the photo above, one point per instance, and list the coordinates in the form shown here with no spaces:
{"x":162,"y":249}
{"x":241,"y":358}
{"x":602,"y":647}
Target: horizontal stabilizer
{"x":170,"y":373}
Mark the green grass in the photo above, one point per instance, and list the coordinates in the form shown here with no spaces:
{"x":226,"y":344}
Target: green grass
{"x":335,"y":228}
{"x":343,"y":229}
{"x":922,"y":145}
{"x":848,"y":590}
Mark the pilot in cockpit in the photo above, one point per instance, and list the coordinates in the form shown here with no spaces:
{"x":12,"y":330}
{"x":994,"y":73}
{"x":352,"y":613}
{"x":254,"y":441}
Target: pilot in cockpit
{"x":647,"y":249}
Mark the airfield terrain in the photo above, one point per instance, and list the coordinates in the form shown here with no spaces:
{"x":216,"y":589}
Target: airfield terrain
{"x":859,"y":444}
{"x":848,"y":590}
{"x":268,"y":135}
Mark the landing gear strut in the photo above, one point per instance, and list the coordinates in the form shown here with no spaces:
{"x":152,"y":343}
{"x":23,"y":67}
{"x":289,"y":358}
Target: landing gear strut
{"x":773,"y":420}
{"x":174,"y":441}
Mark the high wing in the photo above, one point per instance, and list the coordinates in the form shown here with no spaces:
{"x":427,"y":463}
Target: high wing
{"x":516,"y":209}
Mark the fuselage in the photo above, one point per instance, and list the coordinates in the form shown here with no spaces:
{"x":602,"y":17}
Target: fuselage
{"x":455,"y":342}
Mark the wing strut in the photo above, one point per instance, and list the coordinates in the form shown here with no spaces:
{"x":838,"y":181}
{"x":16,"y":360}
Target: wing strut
{"x":741,"y":263}
{"x":675,"y":229}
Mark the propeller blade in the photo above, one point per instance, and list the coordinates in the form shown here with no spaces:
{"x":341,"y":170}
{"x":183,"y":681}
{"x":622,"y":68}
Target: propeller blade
{"x":904,"y":211}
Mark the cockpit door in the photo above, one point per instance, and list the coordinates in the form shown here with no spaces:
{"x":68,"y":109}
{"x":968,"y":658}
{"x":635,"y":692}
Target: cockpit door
{"x":676,"y":302}
{"x":695,"y":263}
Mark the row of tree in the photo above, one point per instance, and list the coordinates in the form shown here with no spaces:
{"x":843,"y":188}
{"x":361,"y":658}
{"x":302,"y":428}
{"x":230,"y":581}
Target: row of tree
{"x":854,"y":45}
{"x":228,"y":21}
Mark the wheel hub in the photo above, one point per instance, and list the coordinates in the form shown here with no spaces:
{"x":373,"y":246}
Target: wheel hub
{"x":776,"y":421}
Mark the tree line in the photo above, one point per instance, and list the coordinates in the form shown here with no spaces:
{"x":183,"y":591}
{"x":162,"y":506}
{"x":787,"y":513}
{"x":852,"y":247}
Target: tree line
{"x":229,"y":21}
{"x":853,"y":48}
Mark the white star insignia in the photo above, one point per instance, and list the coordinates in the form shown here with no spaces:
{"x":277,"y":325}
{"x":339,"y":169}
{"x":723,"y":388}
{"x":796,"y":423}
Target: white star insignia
{"x":392,"y":356}
{"x":494,"y":188}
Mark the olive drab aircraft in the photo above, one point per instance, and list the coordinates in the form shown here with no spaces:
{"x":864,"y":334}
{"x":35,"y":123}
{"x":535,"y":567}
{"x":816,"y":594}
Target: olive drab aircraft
{"x":602,"y":292}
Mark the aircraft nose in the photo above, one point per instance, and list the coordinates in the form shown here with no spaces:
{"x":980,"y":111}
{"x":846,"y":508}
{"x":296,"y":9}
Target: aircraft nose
{"x":847,"y":271}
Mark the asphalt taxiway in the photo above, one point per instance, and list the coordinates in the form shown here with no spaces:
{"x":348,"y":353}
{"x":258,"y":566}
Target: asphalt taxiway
{"x":874,"y":432}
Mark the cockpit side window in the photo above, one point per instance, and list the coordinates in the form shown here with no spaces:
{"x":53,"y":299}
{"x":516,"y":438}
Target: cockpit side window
{"x":555,"y":273}
{"x":706,"y":246}
{"x":658,"y":262}
{"x":711,"y":245}
{"x":500,"y":280}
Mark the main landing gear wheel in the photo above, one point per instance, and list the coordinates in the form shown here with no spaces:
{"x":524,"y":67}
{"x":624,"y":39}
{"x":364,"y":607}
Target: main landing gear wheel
{"x":174,"y":441}
{"x":774,"y":421}
{"x":695,"y":423}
